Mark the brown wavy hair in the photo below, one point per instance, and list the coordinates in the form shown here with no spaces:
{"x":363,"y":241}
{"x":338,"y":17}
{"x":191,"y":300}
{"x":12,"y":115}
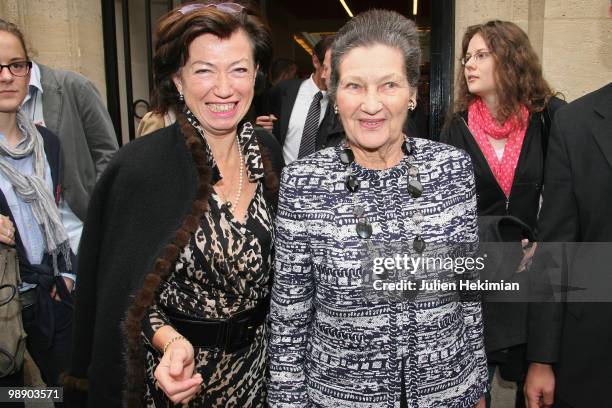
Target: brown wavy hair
{"x":517,"y":69}
{"x":175,"y":31}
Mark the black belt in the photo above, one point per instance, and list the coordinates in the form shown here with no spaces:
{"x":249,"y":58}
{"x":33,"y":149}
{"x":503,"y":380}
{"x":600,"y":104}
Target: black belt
{"x":231,"y":335}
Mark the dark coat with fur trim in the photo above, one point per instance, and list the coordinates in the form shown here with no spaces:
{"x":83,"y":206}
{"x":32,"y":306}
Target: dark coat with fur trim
{"x":142,"y":211}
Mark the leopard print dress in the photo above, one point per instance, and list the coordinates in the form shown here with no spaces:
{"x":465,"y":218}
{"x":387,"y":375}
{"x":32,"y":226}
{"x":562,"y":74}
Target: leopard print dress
{"x":225,"y":269}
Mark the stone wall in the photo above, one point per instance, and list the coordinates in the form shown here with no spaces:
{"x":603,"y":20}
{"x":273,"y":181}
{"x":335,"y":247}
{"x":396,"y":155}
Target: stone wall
{"x":572,"y":37}
{"x":577,"y":45}
{"x":62,"y":33}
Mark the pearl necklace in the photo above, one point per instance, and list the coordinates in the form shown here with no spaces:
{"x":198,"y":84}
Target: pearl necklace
{"x":231,"y":204}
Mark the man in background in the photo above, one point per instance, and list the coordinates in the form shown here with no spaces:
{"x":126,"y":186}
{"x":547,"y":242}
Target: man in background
{"x":296,"y":108}
{"x":282,"y":69}
{"x":576,"y":370}
{"x":70,"y":106}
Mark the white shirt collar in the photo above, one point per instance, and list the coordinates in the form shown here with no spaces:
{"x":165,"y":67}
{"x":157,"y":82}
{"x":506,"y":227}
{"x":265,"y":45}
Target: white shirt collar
{"x":35,"y":77}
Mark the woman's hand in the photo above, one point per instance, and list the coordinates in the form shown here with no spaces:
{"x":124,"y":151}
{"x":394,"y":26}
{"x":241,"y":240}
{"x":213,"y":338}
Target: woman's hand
{"x":481,"y":403}
{"x":175,"y":372}
{"x":529,"y":249}
{"x":7,"y":230}
{"x":69,"y":285}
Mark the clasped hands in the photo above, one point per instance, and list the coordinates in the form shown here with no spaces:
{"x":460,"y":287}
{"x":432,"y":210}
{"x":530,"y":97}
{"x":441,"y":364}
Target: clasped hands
{"x":175,"y":374}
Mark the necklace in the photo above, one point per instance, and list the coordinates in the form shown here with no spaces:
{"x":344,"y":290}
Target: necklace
{"x":414,"y":188}
{"x":230,"y":204}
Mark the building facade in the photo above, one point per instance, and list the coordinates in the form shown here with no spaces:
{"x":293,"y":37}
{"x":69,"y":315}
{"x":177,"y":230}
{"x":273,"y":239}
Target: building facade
{"x":572,"y":37}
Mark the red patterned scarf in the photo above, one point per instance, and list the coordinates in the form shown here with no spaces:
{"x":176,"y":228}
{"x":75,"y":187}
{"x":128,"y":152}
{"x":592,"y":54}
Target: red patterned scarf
{"x":482,"y":124}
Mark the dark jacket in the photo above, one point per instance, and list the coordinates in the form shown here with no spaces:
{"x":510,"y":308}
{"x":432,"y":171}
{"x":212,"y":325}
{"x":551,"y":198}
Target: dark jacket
{"x":500,"y":243}
{"x":576,"y":209}
{"x":279,"y":101}
{"x":506,"y":323}
{"x":524,"y":199}
{"x":330,"y":131}
{"x":138,"y":215}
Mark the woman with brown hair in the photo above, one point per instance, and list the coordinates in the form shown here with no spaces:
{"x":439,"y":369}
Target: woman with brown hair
{"x":502,"y":118}
{"x":182,"y":219}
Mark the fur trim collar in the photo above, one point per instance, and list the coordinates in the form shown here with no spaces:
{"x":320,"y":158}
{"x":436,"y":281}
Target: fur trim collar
{"x":145,"y":296}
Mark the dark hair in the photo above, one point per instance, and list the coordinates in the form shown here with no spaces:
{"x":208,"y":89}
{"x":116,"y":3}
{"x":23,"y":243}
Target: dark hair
{"x":13,"y":29}
{"x":383,"y":27}
{"x":518,"y":73}
{"x":279,"y":67}
{"x":321,"y":47}
{"x":176,"y":30}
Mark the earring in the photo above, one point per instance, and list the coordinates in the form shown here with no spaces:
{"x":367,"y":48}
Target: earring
{"x":411,"y":105}
{"x":335,"y":109}
{"x":181,"y":97}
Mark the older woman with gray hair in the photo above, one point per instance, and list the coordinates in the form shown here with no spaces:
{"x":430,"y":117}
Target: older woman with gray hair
{"x":331,"y":345}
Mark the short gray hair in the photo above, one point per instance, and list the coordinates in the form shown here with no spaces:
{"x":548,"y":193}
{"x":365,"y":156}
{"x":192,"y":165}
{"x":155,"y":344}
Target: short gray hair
{"x":374,"y":27}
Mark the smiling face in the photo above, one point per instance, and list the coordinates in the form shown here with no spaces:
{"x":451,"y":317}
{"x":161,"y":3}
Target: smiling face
{"x":218,"y":81}
{"x":373,"y":96}
{"x":479,"y":71}
{"x":13,"y":89}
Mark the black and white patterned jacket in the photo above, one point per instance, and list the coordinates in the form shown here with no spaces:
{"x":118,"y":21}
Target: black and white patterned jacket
{"x":329,"y":347}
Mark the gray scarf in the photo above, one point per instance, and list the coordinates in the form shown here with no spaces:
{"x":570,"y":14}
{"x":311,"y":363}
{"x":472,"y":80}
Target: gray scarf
{"x":32,"y":189}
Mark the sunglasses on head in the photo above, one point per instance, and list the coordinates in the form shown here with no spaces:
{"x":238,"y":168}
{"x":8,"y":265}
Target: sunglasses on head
{"x":231,"y":8}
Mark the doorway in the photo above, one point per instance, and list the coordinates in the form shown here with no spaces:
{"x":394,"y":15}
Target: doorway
{"x":128,"y":27}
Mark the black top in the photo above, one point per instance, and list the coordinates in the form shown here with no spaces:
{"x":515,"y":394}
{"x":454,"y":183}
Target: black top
{"x":506,"y":323}
{"x":524,"y":199}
